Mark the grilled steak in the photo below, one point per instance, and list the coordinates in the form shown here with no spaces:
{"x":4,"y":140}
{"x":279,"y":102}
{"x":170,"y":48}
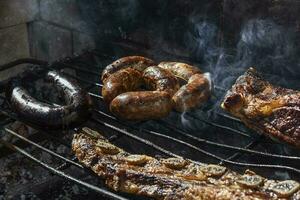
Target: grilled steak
{"x":173,"y":178}
{"x":268,"y":109}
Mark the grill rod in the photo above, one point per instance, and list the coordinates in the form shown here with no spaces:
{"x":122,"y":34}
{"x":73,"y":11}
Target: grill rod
{"x":181,"y":132}
{"x":43,"y":148}
{"x":124,"y":132}
{"x":191,"y":146}
{"x":230,"y":146}
{"x":62,"y":174}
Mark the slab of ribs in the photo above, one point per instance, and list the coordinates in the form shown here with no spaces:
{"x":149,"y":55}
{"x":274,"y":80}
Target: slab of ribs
{"x":173,"y":178}
{"x":270,"y":110}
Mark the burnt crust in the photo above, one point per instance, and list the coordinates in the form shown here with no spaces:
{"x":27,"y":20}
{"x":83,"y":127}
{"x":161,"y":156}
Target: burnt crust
{"x":175,"y":178}
{"x":271,"y":110}
{"x":77,"y":108}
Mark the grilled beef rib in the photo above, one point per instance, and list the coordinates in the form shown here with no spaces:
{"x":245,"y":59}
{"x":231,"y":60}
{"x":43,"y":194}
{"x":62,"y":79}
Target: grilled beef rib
{"x":268,"y":109}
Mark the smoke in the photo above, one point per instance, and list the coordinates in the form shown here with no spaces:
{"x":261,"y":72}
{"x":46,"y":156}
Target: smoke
{"x":201,"y":40}
{"x":267,"y":46}
{"x":262,"y":44}
{"x":111,"y":19}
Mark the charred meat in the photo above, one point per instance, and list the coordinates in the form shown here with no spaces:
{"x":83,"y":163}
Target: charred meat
{"x":173,"y":178}
{"x":77,"y":108}
{"x":271,"y":110}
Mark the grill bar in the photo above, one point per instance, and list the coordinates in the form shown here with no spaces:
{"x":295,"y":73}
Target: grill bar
{"x":133,"y":136}
{"x":181,"y":132}
{"x":43,"y":148}
{"x":228,"y":117}
{"x":146,"y":142}
{"x":62,"y":174}
{"x":246,"y":150}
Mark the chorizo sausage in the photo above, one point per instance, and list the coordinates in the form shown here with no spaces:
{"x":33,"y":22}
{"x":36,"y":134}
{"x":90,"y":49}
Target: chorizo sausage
{"x":77,"y":108}
{"x":181,"y":70}
{"x":137,"y":62}
{"x":192,"y":94}
{"x":124,"y":80}
{"x":159,"y":79}
{"x":144,"y":105}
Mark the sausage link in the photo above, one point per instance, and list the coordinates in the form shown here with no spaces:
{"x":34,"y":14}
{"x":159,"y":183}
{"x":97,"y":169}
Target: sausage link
{"x":77,"y":108}
{"x":181,"y":70}
{"x":143,"y":105}
{"x":195,"y":92}
{"x":124,"y":80}
{"x":160,"y":79}
{"x":137,"y":62}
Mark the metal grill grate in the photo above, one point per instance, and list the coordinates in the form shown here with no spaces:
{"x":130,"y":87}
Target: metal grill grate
{"x":88,"y":68}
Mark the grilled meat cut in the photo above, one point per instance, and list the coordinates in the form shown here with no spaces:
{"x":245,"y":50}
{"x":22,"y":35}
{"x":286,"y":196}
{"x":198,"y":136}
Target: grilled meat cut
{"x":173,"y":178}
{"x":271,"y":110}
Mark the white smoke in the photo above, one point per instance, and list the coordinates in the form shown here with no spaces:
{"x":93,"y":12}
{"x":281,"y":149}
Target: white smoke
{"x":267,"y":46}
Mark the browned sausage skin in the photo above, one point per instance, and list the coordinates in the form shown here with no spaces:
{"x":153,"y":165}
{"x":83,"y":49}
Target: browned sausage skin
{"x":142,"y":105}
{"x":124,"y":80}
{"x":139,"y":63}
{"x":160,"y":79}
{"x":181,"y":70}
{"x":192,"y":94}
{"x":145,"y":105}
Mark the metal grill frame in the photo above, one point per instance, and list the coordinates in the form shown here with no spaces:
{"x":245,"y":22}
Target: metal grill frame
{"x":65,"y":63}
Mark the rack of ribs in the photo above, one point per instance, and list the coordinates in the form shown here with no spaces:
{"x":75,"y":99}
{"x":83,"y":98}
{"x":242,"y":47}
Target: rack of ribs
{"x":173,"y":178}
{"x":271,"y":110}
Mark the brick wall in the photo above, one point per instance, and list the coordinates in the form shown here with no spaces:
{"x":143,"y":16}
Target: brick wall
{"x":52,"y":29}
{"x":43,"y":29}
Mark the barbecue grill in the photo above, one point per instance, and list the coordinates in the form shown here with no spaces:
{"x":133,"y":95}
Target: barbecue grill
{"x":80,"y":38}
{"x":206,"y":135}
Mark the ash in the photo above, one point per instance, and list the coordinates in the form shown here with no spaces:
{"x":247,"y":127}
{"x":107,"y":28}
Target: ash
{"x":21,"y":178}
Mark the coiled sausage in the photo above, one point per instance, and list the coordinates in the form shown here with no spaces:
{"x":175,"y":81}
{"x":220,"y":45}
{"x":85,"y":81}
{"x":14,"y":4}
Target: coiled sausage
{"x":76,"y":110}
